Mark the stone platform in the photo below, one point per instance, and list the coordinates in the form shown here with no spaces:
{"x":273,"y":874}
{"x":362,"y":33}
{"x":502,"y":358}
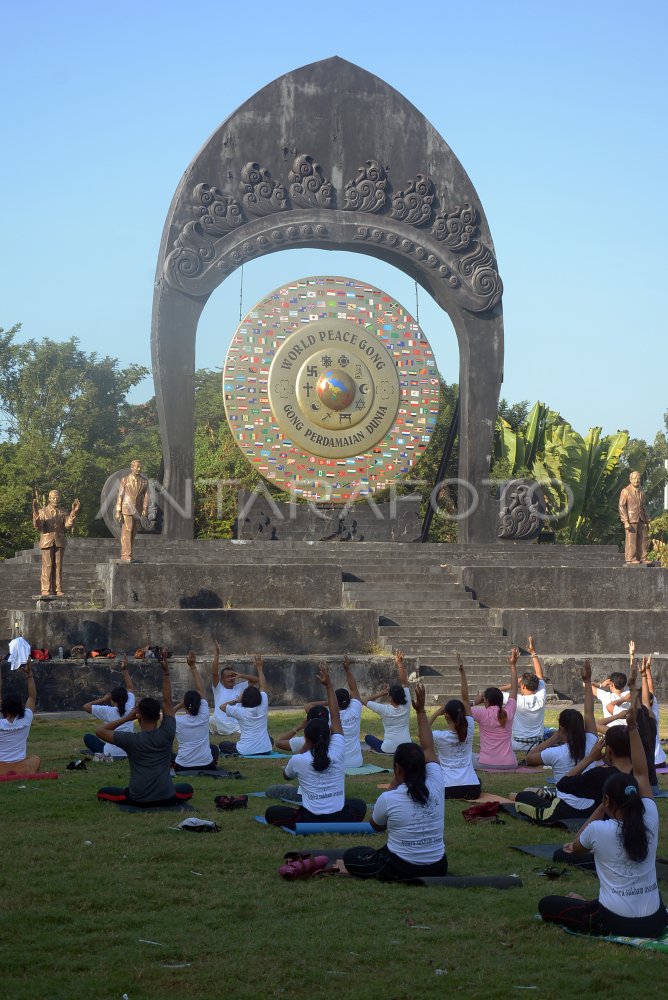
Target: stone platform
{"x":310,"y":599}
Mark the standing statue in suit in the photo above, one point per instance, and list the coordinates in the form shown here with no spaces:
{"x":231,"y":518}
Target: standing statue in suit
{"x":52,"y":522}
{"x":634,"y":517}
{"x":131,"y":507}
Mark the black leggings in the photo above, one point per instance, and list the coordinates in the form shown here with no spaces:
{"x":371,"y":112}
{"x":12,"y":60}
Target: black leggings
{"x":462,"y":791}
{"x":587,"y":916}
{"x":354,"y":811}
{"x":122,"y":796}
{"x":544,"y":809}
{"x":365,"y":862}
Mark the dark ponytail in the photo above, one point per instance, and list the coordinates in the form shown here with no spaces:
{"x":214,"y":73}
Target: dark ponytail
{"x":494,"y":697}
{"x":410,"y":758}
{"x":455,"y":711}
{"x":119,"y":696}
{"x":316,"y":731}
{"x":622,"y":790}
{"x":397,"y":694}
{"x":192,"y":701}
{"x":572,"y":722}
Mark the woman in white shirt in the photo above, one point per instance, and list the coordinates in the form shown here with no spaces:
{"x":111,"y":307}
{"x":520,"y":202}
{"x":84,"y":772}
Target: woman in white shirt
{"x":251,"y":710}
{"x":454,"y":745}
{"x":320,"y":768}
{"x":624,"y":846}
{"x":112,"y":706}
{"x":15,"y":722}
{"x":575,"y":738}
{"x":195,"y":753}
{"x":412,"y":812}
{"x":396,"y":715}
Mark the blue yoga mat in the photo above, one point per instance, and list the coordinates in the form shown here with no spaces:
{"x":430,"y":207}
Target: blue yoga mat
{"x":306,"y":829}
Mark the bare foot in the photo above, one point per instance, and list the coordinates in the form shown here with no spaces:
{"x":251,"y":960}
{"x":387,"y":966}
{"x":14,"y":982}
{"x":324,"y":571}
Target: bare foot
{"x":340,"y":867}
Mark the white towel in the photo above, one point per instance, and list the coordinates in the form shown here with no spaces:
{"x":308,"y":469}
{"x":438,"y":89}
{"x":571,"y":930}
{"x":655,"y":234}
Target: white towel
{"x":19,"y":652}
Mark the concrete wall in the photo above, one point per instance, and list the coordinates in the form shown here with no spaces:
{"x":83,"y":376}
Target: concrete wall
{"x":200,"y":586}
{"x":567,"y":586}
{"x":291,"y":631}
{"x":587,"y":632}
{"x":564,"y":673}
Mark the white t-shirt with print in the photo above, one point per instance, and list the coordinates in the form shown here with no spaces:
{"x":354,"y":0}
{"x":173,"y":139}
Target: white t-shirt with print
{"x":455,"y":757}
{"x":254,"y":736}
{"x":529,"y":721}
{"x":560,"y":760}
{"x":192,"y":732}
{"x":323,"y":792}
{"x":627,"y":888}
{"x":414,"y":831}
{"x":109,"y":713}
{"x":396,"y":722}
{"x":350,"y":723}
{"x":14,"y":738}
{"x":225,"y":725}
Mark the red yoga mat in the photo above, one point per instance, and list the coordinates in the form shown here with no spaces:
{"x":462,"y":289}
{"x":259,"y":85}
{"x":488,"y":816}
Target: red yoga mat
{"x":28,"y":777}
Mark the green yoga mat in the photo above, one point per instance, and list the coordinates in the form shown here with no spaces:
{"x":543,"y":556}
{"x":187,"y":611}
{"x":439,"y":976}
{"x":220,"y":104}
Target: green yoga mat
{"x":367,"y":769}
{"x":645,"y":944}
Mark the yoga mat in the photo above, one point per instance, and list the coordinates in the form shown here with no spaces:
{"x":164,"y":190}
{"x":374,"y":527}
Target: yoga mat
{"x":38,"y":775}
{"x":663,"y":794}
{"x":220,"y":775}
{"x":367,"y":769}
{"x":307,"y":829}
{"x":662,"y":770}
{"x":474,"y":881}
{"x":179,"y":807}
{"x":567,"y":824}
{"x":274,"y":755}
{"x":646,"y":944}
{"x":483,"y":797}
{"x":511,"y":770}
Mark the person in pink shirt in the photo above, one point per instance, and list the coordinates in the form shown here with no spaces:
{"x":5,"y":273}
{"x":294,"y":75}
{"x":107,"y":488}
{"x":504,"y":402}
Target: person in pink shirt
{"x":496,"y":722}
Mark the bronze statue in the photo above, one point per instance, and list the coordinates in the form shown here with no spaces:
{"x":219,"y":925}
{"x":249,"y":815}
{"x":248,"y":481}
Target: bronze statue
{"x":52,"y":522}
{"x":131,"y":506}
{"x":634,"y":517}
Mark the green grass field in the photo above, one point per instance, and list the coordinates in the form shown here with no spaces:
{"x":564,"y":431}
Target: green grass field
{"x":98,"y":903}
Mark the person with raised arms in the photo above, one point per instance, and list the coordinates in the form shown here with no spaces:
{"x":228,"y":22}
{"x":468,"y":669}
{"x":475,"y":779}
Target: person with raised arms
{"x":195,"y":753}
{"x":412,"y":813}
{"x":350,"y":709}
{"x":454,"y":745}
{"x":250,"y":709}
{"x":15,"y":721}
{"x":623,"y":835}
{"x":574,"y":739}
{"x":149,"y":752}
{"x":113,"y":705}
{"x":226,"y":685}
{"x":320,"y":768}
{"x":396,"y":715}
{"x":529,"y":721}
{"x":292,"y":742}
{"x":495,"y":722}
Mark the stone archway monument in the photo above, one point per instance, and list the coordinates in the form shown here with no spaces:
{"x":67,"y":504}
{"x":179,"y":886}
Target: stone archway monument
{"x":329,"y":157}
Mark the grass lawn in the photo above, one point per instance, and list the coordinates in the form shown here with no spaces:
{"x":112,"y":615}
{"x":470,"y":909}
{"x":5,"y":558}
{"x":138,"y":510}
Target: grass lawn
{"x":98,"y":903}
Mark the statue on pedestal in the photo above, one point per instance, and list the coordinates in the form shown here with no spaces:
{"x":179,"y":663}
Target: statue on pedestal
{"x":634,"y":517}
{"x":131,"y":507}
{"x":52,"y":522}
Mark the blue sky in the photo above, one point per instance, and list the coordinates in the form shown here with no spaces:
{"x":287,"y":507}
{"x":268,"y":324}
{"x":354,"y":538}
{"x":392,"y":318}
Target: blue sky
{"x":556,"y":111}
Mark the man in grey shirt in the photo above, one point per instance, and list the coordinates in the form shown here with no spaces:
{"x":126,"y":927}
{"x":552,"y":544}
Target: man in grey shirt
{"x":149,"y":752}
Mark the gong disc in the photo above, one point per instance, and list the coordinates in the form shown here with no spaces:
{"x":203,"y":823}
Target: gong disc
{"x":331,"y":388}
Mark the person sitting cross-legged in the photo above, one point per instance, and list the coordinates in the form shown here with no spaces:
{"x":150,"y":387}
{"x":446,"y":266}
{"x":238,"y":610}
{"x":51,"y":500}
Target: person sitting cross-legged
{"x":227,"y":685}
{"x":412,"y":812}
{"x":250,"y":710}
{"x":192,"y":728}
{"x":396,"y":715}
{"x":454,"y":745}
{"x":15,"y":722}
{"x":113,"y":705}
{"x":321,"y":769}
{"x":294,"y":743}
{"x":149,"y":752}
{"x":623,"y":835}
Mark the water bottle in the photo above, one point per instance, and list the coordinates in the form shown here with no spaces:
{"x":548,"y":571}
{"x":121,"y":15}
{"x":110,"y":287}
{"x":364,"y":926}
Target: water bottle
{"x":61,"y":652}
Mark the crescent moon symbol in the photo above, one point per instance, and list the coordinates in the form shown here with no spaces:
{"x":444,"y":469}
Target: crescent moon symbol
{"x":363,"y":389}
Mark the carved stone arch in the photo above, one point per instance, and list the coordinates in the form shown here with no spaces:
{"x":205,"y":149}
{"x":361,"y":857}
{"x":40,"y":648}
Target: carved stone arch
{"x":328,"y":157}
